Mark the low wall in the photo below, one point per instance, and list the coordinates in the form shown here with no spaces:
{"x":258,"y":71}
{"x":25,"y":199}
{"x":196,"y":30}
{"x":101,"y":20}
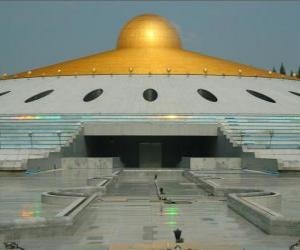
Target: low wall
{"x":74,"y":199}
{"x":259,"y":207}
{"x":208,"y":163}
{"x":215,"y":163}
{"x":11,"y":165}
{"x":266,"y":219}
{"x":289,"y":165}
{"x":104,"y":165}
{"x":250,"y":162}
{"x":208,"y":185}
{"x":52,"y":161}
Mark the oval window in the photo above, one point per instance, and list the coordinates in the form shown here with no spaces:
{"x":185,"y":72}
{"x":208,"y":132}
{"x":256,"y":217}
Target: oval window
{"x":260,"y":96}
{"x":150,"y":95}
{"x":92,"y":95}
{"x":207,"y":95}
{"x":39,"y":96}
{"x":295,"y":93}
{"x":4,"y":93}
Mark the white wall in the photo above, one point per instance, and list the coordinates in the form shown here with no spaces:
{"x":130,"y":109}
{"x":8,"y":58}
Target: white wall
{"x":149,"y":128}
{"x":124,"y":94}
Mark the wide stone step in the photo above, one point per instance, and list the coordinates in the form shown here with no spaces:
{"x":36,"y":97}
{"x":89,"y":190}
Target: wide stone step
{"x":45,"y":128}
{"x":29,"y":146}
{"x":36,"y":134}
{"x":24,"y":151}
{"x":289,"y":165}
{"x":250,"y":122}
{"x":34,"y":139}
{"x":261,"y":133}
{"x":276,"y":151}
{"x":278,"y":156}
{"x":266,"y":139}
{"x":262,"y":126}
{"x":282,"y":146}
{"x":34,"y":130}
{"x":265,"y":130}
{"x":260,"y":118}
{"x":22,"y":157}
{"x":37,"y":141}
{"x":39,"y":123}
{"x":13,"y":165}
{"x":241,"y":143}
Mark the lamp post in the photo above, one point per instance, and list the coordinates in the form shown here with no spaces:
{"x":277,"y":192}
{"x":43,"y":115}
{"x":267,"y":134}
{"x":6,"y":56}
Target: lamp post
{"x":242,"y":137}
{"x":30,"y":134}
{"x":59,"y":137}
{"x":271,"y":132}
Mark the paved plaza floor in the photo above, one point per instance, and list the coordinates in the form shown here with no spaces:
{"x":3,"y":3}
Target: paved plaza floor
{"x":130,"y":216}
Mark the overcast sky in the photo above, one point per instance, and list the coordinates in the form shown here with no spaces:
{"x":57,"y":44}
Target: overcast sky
{"x":39,"y":33}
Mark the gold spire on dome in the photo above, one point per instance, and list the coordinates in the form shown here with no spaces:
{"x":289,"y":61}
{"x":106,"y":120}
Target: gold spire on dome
{"x":148,"y":44}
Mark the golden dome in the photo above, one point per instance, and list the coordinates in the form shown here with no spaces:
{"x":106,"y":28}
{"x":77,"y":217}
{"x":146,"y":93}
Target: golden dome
{"x":148,"y":44}
{"x":148,"y":31}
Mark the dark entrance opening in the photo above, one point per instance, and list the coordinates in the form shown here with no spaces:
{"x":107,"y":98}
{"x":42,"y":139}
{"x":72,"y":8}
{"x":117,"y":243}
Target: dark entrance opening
{"x":151,"y":151}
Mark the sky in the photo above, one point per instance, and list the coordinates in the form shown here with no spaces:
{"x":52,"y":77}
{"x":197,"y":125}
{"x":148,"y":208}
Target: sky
{"x":258,"y":33}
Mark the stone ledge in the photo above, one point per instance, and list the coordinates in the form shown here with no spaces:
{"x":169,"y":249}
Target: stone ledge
{"x":266,"y":219}
{"x":213,"y":188}
{"x":75,"y":200}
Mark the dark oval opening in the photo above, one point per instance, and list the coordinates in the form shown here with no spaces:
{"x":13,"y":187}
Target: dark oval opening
{"x":39,"y":96}
{"x":295,"y":93}
{"x":207,"y":95}
{"x":92,"y":95}
{"x":4,"y":93}
{"x":260,"y":96}
{"x":150,"y":95}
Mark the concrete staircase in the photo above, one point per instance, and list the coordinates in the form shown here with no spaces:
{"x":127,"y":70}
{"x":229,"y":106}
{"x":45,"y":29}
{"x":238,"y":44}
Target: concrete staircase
{"x":33,"y":137}
{"x":27,"y":137}
{"x":268,"y":137}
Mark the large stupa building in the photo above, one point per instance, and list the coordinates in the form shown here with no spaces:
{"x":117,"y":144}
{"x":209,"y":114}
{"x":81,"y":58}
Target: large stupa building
{"x":151,"y":103}
{"x":149,"y":146}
